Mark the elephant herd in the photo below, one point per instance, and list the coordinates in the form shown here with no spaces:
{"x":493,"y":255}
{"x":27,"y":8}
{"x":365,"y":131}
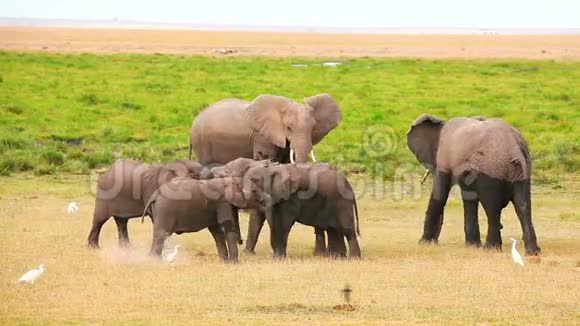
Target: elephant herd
{"x":253,"y":156}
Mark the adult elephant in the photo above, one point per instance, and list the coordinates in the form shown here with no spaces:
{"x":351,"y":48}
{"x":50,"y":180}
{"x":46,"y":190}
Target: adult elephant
{"x":489,"y":160}
{"x":269,"y":127}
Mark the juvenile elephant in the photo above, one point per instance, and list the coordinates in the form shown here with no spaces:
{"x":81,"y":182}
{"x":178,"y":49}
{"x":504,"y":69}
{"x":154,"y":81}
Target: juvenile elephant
{"x":269,"y":127}
{"x":489,"y":160}
{"x":125,"y":188}
{"x":314,"y":194}
{"x":187,"y":205}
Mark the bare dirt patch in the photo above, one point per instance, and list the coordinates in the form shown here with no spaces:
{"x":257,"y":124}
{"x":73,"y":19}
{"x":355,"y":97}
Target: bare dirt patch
{"x":561,"y":47}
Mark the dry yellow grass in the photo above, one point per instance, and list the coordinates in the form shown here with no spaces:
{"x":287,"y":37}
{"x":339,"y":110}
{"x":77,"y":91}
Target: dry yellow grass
{"x":398,"y":281}
{"x":566,"y":47}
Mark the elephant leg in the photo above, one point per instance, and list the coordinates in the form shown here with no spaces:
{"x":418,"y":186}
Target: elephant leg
{"x":353,"y":246}
{"x":437,"y":201}
{"x":255,"y":225}
{"x":231,"y":240}
{"x":280,"y":225}
{"x":100,"y":216}
{"x":471,"y":218}
{"x":159,"y":237}
{"x":122,"y":231}
{"x":220,"y":241}
{"x":522,"y":203}
{"x":236,"y":216}
{"x":336,"y":246}
{"x":494,"y":195}
{"x":493,"y":240}
{"x":320,"y":242}
{"x":226,"y":220}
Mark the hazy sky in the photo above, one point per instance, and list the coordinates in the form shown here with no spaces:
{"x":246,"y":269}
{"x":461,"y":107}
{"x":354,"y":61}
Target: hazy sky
{"x":325,"y":13}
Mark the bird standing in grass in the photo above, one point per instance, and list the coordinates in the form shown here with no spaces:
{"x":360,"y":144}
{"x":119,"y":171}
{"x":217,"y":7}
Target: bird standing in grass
{"x":31,"y":275}
{"x":515,"y":254}
{"x":170,"y":257}
{"x":72,"y":207}
{"x":346,"y":291}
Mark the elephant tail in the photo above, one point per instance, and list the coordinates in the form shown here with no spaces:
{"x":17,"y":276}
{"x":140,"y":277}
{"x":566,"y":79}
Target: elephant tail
{"x":355,"y":208}
{"x":190,"y":149}
{"x":147,"y":209}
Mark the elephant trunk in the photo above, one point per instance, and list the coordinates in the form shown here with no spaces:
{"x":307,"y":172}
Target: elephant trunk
{"x":301,"y":149}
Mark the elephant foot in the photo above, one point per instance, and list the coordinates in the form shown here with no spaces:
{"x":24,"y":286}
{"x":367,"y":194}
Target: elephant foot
{"x":320,"y":252}
{"x":428,"y":241}
{"x":475,"y":244}
{"x":337,"y":255}
{"x":279,"y":256}
{"x":495,"y":246}
{"x":93,"y":245}
{"x":249,"y":252}
{"x":533,"y":251}
{"x":234,"y":261}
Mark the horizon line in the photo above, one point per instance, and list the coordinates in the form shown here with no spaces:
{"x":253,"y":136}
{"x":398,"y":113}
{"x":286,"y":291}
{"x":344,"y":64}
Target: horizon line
{"x":160,"y":25}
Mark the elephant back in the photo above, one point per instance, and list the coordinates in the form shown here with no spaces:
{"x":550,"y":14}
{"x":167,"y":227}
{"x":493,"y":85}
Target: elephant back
{"x":491,"y":146}
{"x":220,"y":133}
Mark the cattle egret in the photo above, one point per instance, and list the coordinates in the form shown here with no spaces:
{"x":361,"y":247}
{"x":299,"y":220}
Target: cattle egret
{"x":170,"y":257}
{"x":72,"y":207}
{"x":31,"y":275}
{"x":515,"y":254}
{"x":346,"y":292}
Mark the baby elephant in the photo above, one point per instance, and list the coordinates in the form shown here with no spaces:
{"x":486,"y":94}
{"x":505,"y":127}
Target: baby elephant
{"x":187,"y":205}
{"x":314,"y":194}
{"x":125,"y":188}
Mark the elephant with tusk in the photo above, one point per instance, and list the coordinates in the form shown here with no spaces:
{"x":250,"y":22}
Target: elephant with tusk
{"x":269,"y":127}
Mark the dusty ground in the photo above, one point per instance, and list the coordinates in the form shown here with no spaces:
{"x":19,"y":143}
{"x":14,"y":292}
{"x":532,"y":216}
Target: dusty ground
{"x":397,"y":282}
{"x":561,"y":47}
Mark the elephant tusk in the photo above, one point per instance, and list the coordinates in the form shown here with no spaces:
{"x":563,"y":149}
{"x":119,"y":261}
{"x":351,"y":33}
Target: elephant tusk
{"x":425,"y":176}
{"x":292,"y":156}
{"x":312,"y":156}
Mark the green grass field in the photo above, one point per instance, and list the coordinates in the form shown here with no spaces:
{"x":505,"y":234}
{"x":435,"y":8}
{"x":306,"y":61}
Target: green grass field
{"x":142,"y":106}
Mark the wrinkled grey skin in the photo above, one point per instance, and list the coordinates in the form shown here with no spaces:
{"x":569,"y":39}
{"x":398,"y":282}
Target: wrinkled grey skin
{"x":313,"y":194}
{"x":489,"y":159}
{"x":125,"y":188}
{"x":187,"y":205}
{"x":265,"y":128}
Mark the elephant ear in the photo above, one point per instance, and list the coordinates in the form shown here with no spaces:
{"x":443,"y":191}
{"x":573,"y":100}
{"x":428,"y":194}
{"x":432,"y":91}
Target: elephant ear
{"x":423,"y":139}
{"x":284,"y":184}
{"x":182,"y":168}
{"x":266,"y":117}
{"x":326,"y":113}
{"x":166,"y":173}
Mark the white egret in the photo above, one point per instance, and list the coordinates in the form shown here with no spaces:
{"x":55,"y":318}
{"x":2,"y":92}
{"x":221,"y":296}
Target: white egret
{"x":31,"y":275}
{"x":73,"y":207}
{"x":170,"y":257}
{"x":515,"y":254}
{"x":312,"y":156}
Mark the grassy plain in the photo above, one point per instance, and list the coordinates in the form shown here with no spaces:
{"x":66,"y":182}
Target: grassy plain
{"x":397,"y":282}
{"x":72,"y":113}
